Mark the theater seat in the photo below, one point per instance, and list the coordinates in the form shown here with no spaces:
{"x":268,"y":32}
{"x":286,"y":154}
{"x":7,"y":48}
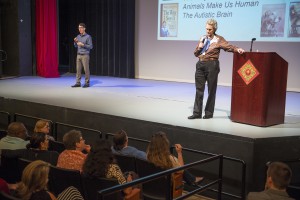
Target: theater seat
{"x":91,"y":186}
{"x":60,"y":179}
{"x":158,"y":189}
{"x":126,"y":163}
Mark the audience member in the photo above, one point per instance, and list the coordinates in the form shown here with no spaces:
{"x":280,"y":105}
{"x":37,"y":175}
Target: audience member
{"x":38,"y":141}
{"x":37,"y":149}
{"x":15,"y":139}
{"x":278,"y":178}
{"x":158,"y":153}
{"x":33,"y":185}
{"x":43,"y":126}
{"x":100,"y":163}
{"x":72,"y":157}
{"x":121,"y":147}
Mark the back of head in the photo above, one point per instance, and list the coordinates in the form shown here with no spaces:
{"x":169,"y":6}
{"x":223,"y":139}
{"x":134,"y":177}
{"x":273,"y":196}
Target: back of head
{"x":40,"y":124}
{"x":17,"y":129}
{"x":158,"y":151}
{"x":34,"y":178}
{"x":71,"y":138}
{"x":280,"y":174}
{"x":99,"y":159}
{"x":120,"y":139}
{"x":36,"y":140}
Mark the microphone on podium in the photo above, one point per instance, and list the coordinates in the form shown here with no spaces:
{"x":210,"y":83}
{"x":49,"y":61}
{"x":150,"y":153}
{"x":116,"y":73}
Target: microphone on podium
{"x":253,"y":39}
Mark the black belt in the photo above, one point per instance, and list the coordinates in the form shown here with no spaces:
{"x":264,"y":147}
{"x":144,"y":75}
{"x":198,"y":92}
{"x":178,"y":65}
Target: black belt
{"x":82,"y":54}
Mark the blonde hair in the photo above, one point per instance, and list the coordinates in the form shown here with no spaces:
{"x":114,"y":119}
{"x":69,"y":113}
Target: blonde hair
{"x":40,"y":125}
{"x":213,"y":23}
{"x":34,"y":178}
{"x":158,"y":151}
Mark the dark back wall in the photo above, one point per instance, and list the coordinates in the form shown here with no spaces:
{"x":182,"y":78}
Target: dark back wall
{"x":109,"y":22}
{"x":111,"y":25}
{"x":16,"y":37}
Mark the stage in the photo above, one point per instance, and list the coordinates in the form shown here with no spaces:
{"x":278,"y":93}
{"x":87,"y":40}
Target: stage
{"x":153,"y":101}
{"x":142,"y":107}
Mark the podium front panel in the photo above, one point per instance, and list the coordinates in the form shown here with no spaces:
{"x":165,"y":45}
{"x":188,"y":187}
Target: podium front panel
{"x":258,"y":88}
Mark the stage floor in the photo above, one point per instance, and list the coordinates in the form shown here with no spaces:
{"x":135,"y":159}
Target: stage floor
{"x":154,"y":101}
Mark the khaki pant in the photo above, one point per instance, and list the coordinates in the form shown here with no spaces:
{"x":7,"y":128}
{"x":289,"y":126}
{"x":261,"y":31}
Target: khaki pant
{"x":83,"y":60}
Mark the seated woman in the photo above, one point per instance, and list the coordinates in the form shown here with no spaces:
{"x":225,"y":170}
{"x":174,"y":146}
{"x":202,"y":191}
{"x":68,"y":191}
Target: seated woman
{"x":73,"y":157}
{"x":158,"y":153}
{"x":33,"y":185}
{"x":37,"y":149}
{"x":38,"y":141}
{"x":43,"y":126}
{"x":100,"y":163}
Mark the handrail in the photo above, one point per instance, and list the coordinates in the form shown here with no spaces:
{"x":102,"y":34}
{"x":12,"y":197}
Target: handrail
{"x":36,"y":118}
{"x":243,"y":189}
{"x":8,"y":116}
{"x":78,"y":127}
{"x":168,"y":173}
{"x":243,"y":186}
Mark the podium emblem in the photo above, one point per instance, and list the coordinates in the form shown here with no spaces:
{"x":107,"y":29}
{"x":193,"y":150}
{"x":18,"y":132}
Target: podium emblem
{"x":248,"y":72}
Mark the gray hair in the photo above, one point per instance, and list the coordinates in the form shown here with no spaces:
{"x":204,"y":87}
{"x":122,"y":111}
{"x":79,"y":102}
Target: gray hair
{"x":213,"y":23}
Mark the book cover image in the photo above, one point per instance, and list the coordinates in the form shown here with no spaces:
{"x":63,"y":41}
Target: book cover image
{"x":294,"y":19}
{"x":272,"y":20}
{"x":169,"y":20}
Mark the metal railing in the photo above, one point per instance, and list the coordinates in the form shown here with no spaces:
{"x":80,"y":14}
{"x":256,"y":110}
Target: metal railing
{"x":102,"y":193}
{"x":243,"y":175}
{"x":241,"y":162}
{"x":57,"y":124}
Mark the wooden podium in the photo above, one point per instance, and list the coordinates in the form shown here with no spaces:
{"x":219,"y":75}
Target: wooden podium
{"x":258,"y":88}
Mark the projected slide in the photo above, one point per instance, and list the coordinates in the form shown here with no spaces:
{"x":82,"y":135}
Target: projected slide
{"x":238,"y":20}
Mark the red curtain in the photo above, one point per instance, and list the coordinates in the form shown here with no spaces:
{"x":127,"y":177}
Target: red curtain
{"x":46,"y":38}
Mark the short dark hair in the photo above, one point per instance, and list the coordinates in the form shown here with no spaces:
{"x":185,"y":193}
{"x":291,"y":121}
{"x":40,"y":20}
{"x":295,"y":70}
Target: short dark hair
{"x":82,"y":24}
{"x":280,"y":173}
{"x":17,"y":129}
{"x":119,"y":139}
{"x":71,"y":138}
{"x":35,"y":140}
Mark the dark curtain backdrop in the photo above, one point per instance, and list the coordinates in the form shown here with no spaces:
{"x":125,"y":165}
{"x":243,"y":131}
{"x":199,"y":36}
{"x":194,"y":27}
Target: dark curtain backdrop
{"x":111,"y":25}
{"x":46,"y":38}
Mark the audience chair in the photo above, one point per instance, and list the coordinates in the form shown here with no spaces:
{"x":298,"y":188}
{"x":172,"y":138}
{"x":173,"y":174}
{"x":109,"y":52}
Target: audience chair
{"x":4,"y":196}
{"x":3,"y":133}
{"x":91,"y":187}
{"x":157,"y":189}
{"x":9,"y":165}
{"x":126,"y":163}
{"x":60,"y":179}
{"x":22,"y":164}
{"x":56,"y":146}
{"x":44,"y":155}
{"x":294,"y":191}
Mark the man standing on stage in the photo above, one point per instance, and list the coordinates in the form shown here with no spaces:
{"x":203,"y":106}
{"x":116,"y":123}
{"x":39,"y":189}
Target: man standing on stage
{"x":83,"y":43}
{"x":207,"y":68}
